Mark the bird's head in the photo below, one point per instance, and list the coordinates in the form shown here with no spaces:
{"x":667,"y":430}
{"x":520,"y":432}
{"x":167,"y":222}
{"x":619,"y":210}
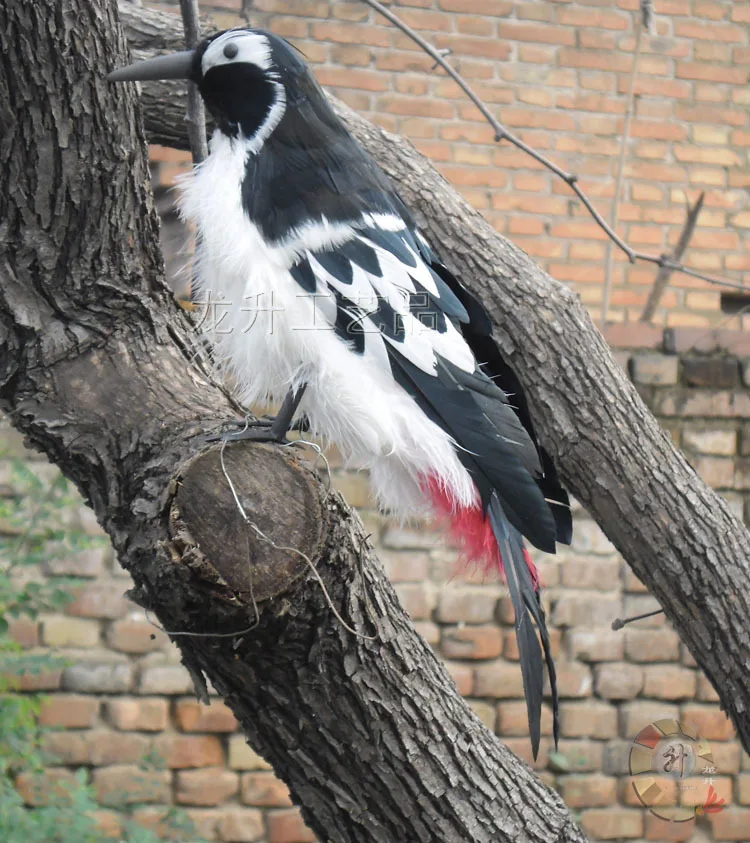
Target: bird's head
{"x":241,"y":75}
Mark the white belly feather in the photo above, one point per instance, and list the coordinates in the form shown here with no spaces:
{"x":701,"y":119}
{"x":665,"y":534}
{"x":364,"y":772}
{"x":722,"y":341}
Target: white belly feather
{"x":269,"y":336}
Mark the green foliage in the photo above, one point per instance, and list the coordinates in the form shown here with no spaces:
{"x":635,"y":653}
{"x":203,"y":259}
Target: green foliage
{"x":34,"y":532}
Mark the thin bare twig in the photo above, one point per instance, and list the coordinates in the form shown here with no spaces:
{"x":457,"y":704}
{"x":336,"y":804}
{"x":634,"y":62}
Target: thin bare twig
{"x":196,"y":116}
{"x":621,"y":171}
{"x":664,"y":274}
{"x":501,"y":133}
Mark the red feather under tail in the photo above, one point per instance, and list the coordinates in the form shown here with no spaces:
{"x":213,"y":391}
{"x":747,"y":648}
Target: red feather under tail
{"x":471,"y":530}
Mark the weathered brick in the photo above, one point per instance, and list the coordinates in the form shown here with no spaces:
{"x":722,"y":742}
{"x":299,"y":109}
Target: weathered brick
{"x":574,"y":680}
{"x":498,"y":679}
{"x":654,"y":369}
{"x":651,"y":645}
{"x":145,"y":715}
{"x":618,"y":681}
{"x":24,"y":631}
{"x":711,"y":723}
{"x":182,"y":751}
{"x":244,"y":757}
{"x":591,"y":572}
{"x":71,"y":711}
{"x":134,"y":635}
{"x":589,"y":719}
{"x":638,"y":714}
{"x":90,"y":563}
{"x":99,"y":600}
{"x":165,"y":679}
{"x":193,"y":716}
{"x":264,"y":790}
{"x":596,"y":645}
{"x":36,"y":788}
{"x":129,"y":784}
{"x":731,"y":824}
{"x":612,"y":823}
{"x":109,"y":825}
{"x":207,"y":786}
{"x":59,"y":631}
{"x":669,"y":682}
{"x":462,"y":675}
{"x":66,"y":748}
{"x":98,"y":677}
{"x":582,"y":756}
{"x":485,"y":712}
{"x":513,"y":719}
{"x":694,"y":789}
{"x":287,"y":826}
{"x":472,"y":642}
{"x":591,"y":791}
{"x":474,"y":605}
{"x":743,"y":789}
{"x":721,"y":442}
{"x":599,"y":609}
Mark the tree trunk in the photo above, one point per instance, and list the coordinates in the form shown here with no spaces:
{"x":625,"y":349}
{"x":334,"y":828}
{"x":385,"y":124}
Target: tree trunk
{"x":679,"y":536}
{"x":289,"y":614}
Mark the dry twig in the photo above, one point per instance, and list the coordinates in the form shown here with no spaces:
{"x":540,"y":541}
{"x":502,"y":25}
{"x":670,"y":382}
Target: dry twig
{"x":196,"y":116}
{"x":664,"y":274}
{"x":621,"y":170}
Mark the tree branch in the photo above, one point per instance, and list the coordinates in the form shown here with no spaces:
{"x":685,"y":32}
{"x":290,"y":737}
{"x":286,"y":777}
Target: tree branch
{"x":679,"y":537}
{"x":662,"y":277}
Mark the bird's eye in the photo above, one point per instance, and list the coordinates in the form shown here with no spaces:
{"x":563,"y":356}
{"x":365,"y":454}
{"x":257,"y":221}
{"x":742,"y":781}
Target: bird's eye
{"x":230,"y":50}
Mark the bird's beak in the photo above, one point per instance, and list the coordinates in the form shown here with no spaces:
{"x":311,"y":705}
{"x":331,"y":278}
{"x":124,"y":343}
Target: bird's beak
{"x":174,"y":66}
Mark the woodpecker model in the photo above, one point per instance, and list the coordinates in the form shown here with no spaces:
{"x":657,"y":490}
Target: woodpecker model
{"x":333,"y":301}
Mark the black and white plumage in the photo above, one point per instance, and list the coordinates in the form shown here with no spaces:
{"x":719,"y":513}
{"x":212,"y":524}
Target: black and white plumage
{"x":328,"y":284}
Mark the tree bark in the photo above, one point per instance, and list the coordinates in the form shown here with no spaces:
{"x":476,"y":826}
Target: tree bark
{"x":285,"y":610}
{"x":679,"y":536}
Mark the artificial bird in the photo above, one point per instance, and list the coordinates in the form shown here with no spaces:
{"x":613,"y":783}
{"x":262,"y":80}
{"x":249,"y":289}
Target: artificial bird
{"x":334,"y":302}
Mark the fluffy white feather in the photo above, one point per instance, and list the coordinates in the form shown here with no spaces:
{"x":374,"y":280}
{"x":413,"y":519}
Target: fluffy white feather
{"x":273,"y":336}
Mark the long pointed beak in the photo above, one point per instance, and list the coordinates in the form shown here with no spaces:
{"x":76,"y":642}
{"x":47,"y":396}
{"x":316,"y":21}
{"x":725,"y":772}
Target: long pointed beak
{"x":174,"y":66}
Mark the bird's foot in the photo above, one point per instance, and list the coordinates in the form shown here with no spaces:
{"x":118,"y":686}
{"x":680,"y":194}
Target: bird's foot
{"x":254,"y":429}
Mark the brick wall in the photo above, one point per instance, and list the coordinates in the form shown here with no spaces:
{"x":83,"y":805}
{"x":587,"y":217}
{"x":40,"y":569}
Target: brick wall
{"x":556,"y":72}
{"x":124,"y":695}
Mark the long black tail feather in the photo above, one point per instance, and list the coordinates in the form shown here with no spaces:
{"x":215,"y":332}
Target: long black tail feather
{"x":527,"y":608}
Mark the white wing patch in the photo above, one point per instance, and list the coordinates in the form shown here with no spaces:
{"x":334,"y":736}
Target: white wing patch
{"x":386,"y":294}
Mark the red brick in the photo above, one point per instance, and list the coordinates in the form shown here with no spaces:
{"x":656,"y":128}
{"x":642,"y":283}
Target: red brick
{"x":181,"y":751}
{"x":207,"y":786}
{"x":731,"y":824}
{"x":588,"y":791}
{"x":711,"y":723}
{"x":495,"y":8}
{"x":129,"y":784}
{"x":106,"y":747}
{"x":288,"y":827}
{"x":513,"y":719}
{"x":71,"y":711}
{"x":652,"y":645}
{"x":612,"y":823}
{"x":618,"y":681}
{"x":131,"y":635}
{"x":472,"y":642}
{"x":147,"y":715}
{"x":99,"y":600}
{"x":351,"y":33}
{"x":264,"y":790}
{"x":193,"y":716}
{"x":588,"y":719}
{"x":241,"y":825}
{"x":669,"y":682}
{"x":469,"y":45}
{"x":36,"y":788}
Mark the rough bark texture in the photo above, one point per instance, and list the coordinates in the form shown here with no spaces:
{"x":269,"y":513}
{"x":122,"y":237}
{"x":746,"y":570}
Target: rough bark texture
{"x":99,"y":369}
{"x":679,"y":537}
